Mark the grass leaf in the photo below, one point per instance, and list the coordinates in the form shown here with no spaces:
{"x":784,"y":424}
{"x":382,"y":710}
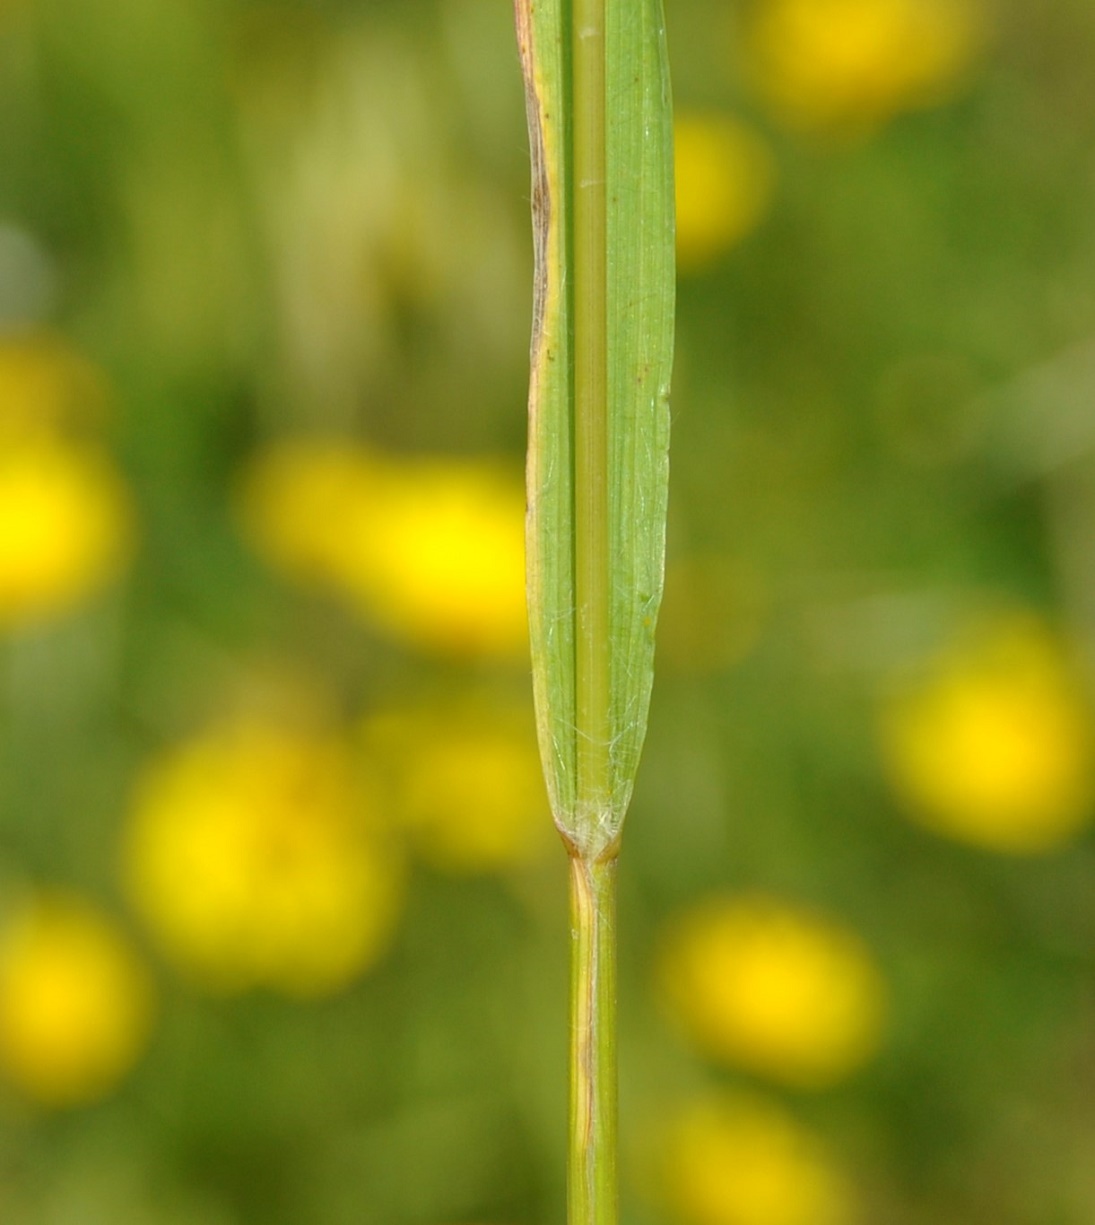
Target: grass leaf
{"x":598,"y":407}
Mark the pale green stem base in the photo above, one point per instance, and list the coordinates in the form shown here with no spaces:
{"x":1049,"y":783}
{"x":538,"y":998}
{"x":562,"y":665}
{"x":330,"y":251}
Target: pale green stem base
{"x":591,"y":1190}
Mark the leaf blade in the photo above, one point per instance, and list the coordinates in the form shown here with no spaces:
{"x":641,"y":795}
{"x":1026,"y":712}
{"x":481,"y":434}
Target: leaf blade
{"x":640,"y":301}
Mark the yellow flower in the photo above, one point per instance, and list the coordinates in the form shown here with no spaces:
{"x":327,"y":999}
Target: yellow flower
{"x":736,"y":1159}
{"x":46,"y":386}
{"x":66,"y":527}
{"x":465,"y":780}
{"x":446,"y":555}
{"x":993,"y":745}
{"x":75,"y":1003}
{"x":724,"y":176}
{"x":251,"y":858}
{"x":853,"y":64}
{"x":776,"y":990}
{"x":430,"y":550}
{"x":301,"y":504}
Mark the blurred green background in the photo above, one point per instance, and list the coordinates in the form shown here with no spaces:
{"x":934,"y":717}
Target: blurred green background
{"x":283,"y":931}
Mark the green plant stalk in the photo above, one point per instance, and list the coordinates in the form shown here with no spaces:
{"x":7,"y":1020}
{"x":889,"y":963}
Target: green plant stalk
{"x":591,"y":1185}
{"x":591,"y":1180}
{"x":597,"y":479}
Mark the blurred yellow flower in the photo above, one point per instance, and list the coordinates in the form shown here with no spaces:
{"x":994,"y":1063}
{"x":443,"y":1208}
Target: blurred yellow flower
{"x":993,"y":745}
{"x":466,"y":783}
{"x":75,"y":1002}
{"x":736,"y":1159}
{"x":66,"y":527}
{"x":776,"y":990}
{"x":45,"y":386}
{"x":251,"y":857}
{"x":447,"y":555}
{"x":430,"y":550}
{"x":301,"y":503}
{"x":853,"y":64}
{"x":724,"y":177}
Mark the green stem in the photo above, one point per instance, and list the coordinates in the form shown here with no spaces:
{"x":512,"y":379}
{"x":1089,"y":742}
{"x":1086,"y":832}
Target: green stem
{"x":591,"y":537}
{"x":591,"y":1194}
{"x":591,"y":1189}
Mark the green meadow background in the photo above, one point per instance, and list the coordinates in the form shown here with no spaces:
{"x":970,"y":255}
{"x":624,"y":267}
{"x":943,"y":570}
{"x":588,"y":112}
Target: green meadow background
{"x":283,"y":932}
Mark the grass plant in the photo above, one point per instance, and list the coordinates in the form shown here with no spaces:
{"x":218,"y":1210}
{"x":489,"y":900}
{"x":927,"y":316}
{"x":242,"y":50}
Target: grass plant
{"x":600,"y":129}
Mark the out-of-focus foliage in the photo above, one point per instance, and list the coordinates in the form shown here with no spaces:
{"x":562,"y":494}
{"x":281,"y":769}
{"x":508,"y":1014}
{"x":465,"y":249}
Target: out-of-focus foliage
{"x":282,"y":916}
